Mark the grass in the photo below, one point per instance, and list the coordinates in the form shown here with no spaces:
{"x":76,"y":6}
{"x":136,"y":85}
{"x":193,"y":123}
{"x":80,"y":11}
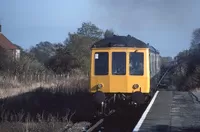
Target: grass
{"x":59,"y":103}
{"x":11,"y":86}
{"x":52,"y":124}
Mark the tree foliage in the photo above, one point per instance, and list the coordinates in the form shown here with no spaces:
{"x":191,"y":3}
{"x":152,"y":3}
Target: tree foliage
{"x":195,"y":38}
{"x":25,"y":65}
{"x":79,"y":47}
{"x":90,"y":30}
{"x":188,"y":71}
{"x":62,"y":62}
{"x":108,"y":33}
{"x":44,"y":50}
{"x":165,"y":60}
{"x":79,"y":43}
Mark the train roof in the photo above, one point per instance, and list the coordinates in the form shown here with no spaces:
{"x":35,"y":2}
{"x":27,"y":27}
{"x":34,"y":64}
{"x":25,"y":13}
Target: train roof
{"x":122,"y":41}
{"x":153,"y":49}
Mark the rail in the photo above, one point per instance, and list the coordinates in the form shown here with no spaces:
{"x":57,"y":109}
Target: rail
{"x":96,"y":125}
{"x":99,"y":122}
{"x":195,"y":97}
{"x":172,"y":65}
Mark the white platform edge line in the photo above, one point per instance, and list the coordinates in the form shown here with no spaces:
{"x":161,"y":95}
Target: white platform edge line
{"x":137,"y":127}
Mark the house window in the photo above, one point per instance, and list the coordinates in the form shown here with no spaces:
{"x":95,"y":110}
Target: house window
{"x":17,"y":55}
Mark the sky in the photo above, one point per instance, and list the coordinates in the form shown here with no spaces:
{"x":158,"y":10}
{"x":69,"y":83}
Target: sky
{"x":165,"y":24}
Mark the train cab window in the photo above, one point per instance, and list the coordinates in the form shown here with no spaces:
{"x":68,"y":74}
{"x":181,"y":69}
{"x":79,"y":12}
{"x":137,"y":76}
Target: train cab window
{"x":136,"y":63}
{"x":101,"y":63}
{"x":119,"y":63}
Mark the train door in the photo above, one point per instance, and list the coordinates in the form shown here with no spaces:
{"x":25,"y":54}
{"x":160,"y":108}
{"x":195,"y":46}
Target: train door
{"x":118,"y":78}
{"x":100,"y":70}
{"x":139,"y":77}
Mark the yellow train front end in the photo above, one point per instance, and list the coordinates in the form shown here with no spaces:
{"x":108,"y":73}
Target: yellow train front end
{"x":120,"y":70}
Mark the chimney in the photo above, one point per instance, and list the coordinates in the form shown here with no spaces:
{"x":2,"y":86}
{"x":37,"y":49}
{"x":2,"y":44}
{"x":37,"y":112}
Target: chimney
{"x":0,"y":28}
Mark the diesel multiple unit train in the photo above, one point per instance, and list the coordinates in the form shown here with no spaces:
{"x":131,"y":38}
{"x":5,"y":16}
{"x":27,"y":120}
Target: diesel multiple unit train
{"x":123,"y":68}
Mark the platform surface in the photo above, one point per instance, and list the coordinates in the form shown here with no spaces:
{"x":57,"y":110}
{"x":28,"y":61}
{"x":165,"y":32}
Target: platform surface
{"x":173,"y":111}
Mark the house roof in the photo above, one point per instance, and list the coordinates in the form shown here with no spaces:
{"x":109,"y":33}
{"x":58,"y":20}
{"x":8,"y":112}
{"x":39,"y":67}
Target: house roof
{"x":5,"y":43}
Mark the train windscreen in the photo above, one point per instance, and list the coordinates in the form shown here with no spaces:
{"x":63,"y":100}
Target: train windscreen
{"x":136,"y":63}
{"x":101,"y":63}
{"x":119,"y":63}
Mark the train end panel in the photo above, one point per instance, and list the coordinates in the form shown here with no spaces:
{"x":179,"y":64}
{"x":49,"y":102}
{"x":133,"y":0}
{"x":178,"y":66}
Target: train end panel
{"x":107,"y":80}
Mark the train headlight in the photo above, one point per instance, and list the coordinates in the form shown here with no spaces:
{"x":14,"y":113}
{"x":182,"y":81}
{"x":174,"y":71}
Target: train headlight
{"x":135,"y":86}
{"x":99,"y":85}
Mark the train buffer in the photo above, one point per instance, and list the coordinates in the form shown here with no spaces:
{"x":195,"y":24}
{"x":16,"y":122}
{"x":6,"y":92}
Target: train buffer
{"x":171,"y":111}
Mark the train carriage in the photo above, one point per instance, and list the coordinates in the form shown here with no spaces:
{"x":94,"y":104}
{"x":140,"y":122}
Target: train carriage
{"x":124,"y":67}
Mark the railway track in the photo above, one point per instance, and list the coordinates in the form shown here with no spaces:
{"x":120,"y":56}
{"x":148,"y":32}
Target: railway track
{"x":119,"y":121}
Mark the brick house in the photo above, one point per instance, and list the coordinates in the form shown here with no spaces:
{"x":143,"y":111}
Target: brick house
{"x":8,"y":48}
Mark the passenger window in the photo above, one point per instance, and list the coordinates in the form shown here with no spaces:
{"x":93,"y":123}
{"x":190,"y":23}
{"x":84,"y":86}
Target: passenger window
{"x":119,"y":63}
{"x":101,"y":63}
{"x":136,"y":63}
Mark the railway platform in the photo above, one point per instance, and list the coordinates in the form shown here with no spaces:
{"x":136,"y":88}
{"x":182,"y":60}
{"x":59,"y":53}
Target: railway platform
{"x":171,"y":111}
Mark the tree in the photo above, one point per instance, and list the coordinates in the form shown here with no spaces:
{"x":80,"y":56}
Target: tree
{"x":108,"y":33}
{"x":62,"y":62}
{"x":195,"y":38}
{"x":44,"y":50}
{"x":79,"y":48}
{"x":90,"y":30}
{"x":80,"y":42}
{"x":188,"y":70}
{"x":4,"y":60}
{"x":165,"y":60}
